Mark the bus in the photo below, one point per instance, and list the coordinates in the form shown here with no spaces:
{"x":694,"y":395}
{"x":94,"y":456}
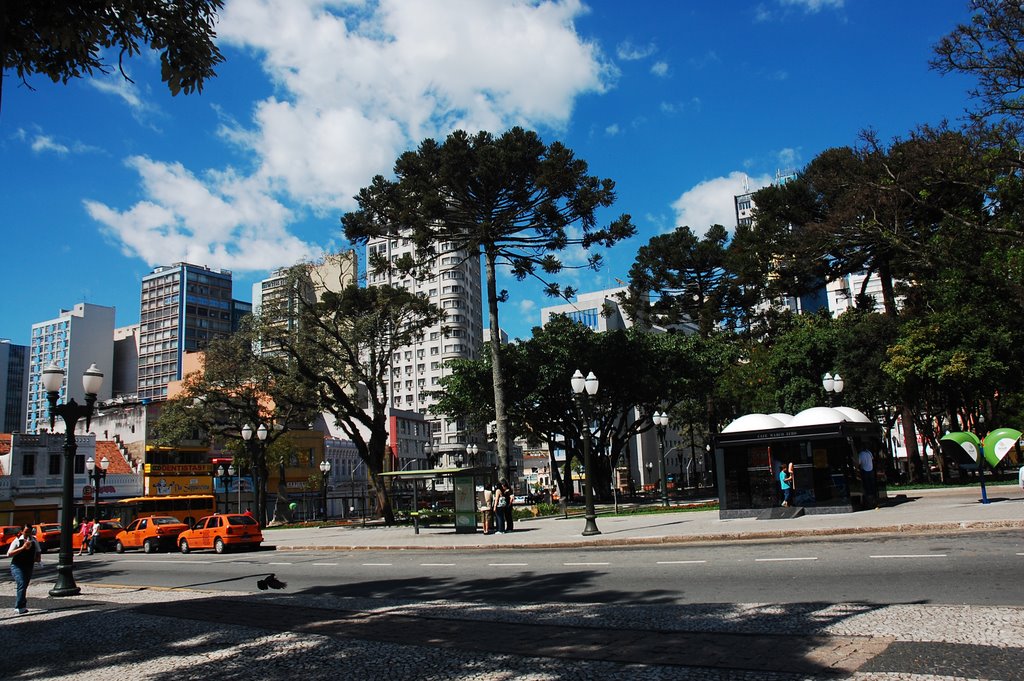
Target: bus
{"x":186,"y":508}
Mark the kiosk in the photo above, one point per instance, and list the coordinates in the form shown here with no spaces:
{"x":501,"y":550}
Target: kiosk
{"x":464,"y":482}
{"x":822,"y":443}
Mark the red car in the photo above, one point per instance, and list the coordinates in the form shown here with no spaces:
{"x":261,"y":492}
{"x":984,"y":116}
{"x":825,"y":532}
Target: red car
{"x":151,"y":534}
{"x":221,"y":532}
{"x":47,"y":534}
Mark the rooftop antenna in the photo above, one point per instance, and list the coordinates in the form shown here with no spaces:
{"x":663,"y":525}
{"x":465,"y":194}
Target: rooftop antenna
{"x":746,"y":184}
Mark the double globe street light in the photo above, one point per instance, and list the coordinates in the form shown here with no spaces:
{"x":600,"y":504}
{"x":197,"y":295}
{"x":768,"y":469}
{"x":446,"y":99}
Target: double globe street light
{"x":660,"y":419}
{"x":583,"y":390}
{"x":325,"y":470}
{"x":261,"y":435}
{"x":70,"y":412}
{"x":226,"y":476}
{"x":833,"y":386}
{"x":97,"y":475}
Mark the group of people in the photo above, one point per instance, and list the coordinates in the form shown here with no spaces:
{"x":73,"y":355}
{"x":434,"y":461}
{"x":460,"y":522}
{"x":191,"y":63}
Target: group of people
{"x":496,"y":508}
{"x":90,"y":533}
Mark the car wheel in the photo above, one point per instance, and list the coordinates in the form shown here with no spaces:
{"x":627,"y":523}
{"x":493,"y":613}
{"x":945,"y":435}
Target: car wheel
{"x":184,"y":546}
{"x":119,"y":547}
{"x":219,"y":546}
{"x":148,"y":546}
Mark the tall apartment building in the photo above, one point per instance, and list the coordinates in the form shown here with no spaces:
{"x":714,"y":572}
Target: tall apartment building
{"x":184,"y":307}
{"x":454,"y":285}
{"x":335,"y":272}
{"x":76,"y":339}
{"x":13,"y":385}
{"x":599,"y":310}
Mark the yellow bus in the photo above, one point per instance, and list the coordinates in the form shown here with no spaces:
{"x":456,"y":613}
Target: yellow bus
{"x":186,"y":508}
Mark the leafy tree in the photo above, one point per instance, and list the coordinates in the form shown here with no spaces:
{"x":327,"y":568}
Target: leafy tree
{"x":65,"y":39}
{"x":513,"y":199}
{"x":236,"y":387}
{"x":988,"y":48}
{"x":340,"y":346}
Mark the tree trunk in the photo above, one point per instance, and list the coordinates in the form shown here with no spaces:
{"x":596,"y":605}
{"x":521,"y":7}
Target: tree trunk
{"x":498,"y":377}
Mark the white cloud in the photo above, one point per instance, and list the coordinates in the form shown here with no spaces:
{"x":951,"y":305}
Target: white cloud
{"x":114,"y":84}
{"x":627,"y":51}
{"x":223,"y":220}
{"x":813,"y":6}
{"x":711,"y":201}
{"x":789,"y":157}
{"x":612,"y":130}
{"x":46,"y":143}
{"x":660,"y":69}
{"x":357,"y":83}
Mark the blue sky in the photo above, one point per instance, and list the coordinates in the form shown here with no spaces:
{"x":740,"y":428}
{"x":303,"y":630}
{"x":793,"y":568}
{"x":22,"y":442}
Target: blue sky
{"x":679,"y":103}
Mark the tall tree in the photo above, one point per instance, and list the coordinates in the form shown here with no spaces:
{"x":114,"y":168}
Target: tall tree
{"x":340,"y":345}
{"x":65,"y":39}
{"x":513,"y":199}
{"x":237,"y":387}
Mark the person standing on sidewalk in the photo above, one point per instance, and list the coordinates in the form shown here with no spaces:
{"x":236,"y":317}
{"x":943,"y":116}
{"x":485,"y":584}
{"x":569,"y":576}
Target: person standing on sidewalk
{"x":786,"y":483}
{"x":506,"y":493}
{"x":86,"y":535}
{"x":499,"y":509}
{"x":24,"y":553}
{"x":94,"y":537}
{"x":487,"y":509}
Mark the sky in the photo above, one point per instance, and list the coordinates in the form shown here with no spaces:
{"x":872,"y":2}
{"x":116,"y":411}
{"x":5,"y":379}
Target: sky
{"x":682,"y":104}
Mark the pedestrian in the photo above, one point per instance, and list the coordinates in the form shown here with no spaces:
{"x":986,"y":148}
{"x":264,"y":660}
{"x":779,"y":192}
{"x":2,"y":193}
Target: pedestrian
{"x":1020,"y":477}
{"x":506,"y":492}
{"x":500,"y":501}
{"x":24,"y":553}
{"x":85,"y":534}
{"x":94,"y":537}
{"x":487,"y":509}
{"x":866,"y":463}
{"x":786,"y":483}
{"x":248,"y":512}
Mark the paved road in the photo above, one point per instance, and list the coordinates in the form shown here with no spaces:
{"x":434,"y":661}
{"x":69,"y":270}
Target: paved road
{"x":211,"y":634}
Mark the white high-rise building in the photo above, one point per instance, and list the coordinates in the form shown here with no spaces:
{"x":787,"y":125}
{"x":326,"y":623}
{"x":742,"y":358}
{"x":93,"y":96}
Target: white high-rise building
{"x":78,"y":338}
{"x":454,"y":285}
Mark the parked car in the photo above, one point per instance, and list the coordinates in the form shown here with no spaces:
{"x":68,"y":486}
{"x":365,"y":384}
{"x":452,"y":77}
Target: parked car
{"x":221,"y":532}
{"x":47,"y":534}
{"x":151,"y":534}
{"x":109,"y":530}
{"x":7,"y":535}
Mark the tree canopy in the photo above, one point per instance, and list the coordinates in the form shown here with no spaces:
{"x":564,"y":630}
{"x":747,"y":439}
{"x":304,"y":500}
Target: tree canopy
{"x":66,"y":39}
{"x":513,"y":199}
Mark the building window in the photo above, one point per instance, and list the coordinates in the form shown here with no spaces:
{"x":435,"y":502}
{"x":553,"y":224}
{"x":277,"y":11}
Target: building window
{"x":28,"y":464}
{"x":54,"y":464}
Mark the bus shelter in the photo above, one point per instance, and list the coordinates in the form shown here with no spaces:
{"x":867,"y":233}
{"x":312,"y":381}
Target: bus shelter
{"x":823,"y":445}
{"x":464,"y":483}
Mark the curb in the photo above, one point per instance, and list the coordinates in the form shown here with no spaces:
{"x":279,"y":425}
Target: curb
{"x":902,"y":528}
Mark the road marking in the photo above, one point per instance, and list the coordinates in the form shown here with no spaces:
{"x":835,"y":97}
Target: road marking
{"x":912,"y":555}
{"x":437,"y":564}
{"x":680,"y":562}
{"x":143,"y":560}
{"x":507,"y":564}
{"x":326,"y":564}
{"x":574,"y":564}
{"x":377,"y":564}
{"x":781,"y":560}
{"x":278,"y":563}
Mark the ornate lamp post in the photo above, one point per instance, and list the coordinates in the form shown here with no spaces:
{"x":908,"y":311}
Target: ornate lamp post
{"x":471,"y":450}
{"x":70,"y":412}
{"x":833,"y":386}
{"x":258,"y":444}
{"x":225,"y":481}
{"x":590,"y":384}
{"x":325,"y":469}
{"x":661,"y":422}
{"x":97,"y":474}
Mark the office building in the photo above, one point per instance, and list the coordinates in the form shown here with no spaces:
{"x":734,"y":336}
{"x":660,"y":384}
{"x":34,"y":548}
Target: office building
{"x":183,"y":308}
{"x":454,"y":285}
{"x":76,"y":339}
{"x":13,"y":385}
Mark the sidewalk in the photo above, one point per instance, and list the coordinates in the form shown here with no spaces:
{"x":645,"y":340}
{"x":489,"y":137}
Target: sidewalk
{"x":933,"y":510}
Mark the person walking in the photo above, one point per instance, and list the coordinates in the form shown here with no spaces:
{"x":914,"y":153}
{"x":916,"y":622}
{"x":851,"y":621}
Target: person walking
{"x":499,"y":509}
{"x":94,"y":537}
{"x":24,"y":553}
{"x":85,"y":533}
{"x":506,"y":493}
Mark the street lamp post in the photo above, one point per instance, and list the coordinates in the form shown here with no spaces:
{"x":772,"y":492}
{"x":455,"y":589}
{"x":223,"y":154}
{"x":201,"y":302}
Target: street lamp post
{"x":590,"y":385}
{"x":261,"y":438}
{"x":471,"y":450}
{"x":661,"y":422}
{"x":833,"y":385}
{"x":225,"y":481}
{"x":70,"y":412}
{"x":97,"y":474}
{"x":325,"y":469}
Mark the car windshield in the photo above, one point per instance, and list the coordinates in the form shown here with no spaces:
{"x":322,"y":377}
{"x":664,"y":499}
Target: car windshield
{"x":165,"y":521}
{"x":240,"y":520}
